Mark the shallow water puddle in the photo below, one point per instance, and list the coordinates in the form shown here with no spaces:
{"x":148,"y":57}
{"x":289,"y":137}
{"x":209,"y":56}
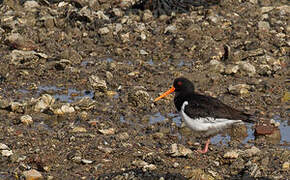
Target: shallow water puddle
{"x":90,"y":62}
{"x":225,"y":139}
{"x":70,"y":96}
{"x":61,"y":94}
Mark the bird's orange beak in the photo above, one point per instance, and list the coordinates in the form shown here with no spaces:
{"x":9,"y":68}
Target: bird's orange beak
{"x":171,"y":90}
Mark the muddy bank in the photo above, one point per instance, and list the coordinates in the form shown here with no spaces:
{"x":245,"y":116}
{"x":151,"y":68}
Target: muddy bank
{"x":78,"y":79}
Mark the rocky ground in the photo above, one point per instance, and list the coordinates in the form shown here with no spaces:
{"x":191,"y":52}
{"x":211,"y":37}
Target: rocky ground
{"x":78,"y":79}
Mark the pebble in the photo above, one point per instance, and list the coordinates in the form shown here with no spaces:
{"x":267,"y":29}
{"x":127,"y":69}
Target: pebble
{"x":147,"y":16}
{"x":79,"y":129}
{"x":217,"y":66}
{"x":231,"y":154}
{"x":104,"y":30}
{"x":247,"y":67}
{"x":77,"y":159}
{"x":170,"y":29}
{"x":198,"y":174}
{"x":175,"y":164}
{"x":118,"y":12}
{"x":254,"y":1}
{"x":263,"y":26}
{"x":138,"y":97}
{"x":276,"y":124}
{"x":4,"y":103}
{"x":26,"y":119}
{"x":44,"y":102}
{"x":123,"y":136}
{"x":32,"y":175}
{"x":86,"y":161}
{"x":266,"y":9}
{"x":143,"y":52}
{"x":239,"y":89}
{"x":252,"y":151}
{"x":109,"y":131}
{"x":17,"y":107}
{"x":149,"y":167}
{"x":177,"y":150}
{"x":66,"y":108}
{"x":139,"y":163}
{"x":101,"y":15}
{"x":4,"y":147}
{"x":31,"y":4}
{"x":285,"y":165}
{"x":6,"y":152}
{"x":98,"y":83}
{"x":125,"y":37}
{"x":105,"y":149}
{"x":231,"y":69}
{"x":23,"y":44}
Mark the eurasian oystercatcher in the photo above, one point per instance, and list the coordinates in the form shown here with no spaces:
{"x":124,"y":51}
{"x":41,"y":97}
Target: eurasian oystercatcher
{"x":201,"y":113}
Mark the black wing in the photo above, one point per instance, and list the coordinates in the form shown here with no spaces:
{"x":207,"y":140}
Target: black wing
{"x":206,"y":106}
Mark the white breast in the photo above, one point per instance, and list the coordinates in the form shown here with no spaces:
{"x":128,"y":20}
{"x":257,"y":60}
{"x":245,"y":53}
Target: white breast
{"x":208,"y":125}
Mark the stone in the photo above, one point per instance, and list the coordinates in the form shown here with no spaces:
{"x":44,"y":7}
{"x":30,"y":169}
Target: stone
{"x":177,"y":150}
{"x":86,"y":161}
{"x":239,"y":89}
{"x":4,"y":103}
{"x":105,"y":149}
{"x":149,"y":167}
{"x":32,"y":175}
{"x":118,"y":28}
{"x":44,"y":102}
{"x":109,"y":131}
{"x":138,"y":98}
{"x":118,"y":12}
{"x":248,"y":68}
{"x":252,"y":151}
{"x":123,"y":136}
{"x":104,"y":30}
{"x":171,"y":29}
{"x":66,"y":108}
{"x":198,"y":174}
{"x":147,"y":16}
{"x":17,"y":107}
{"x":143,"y":52}
{"x":254,"y":1}
{"x":101,"y":15}
{"x":84,"y":103}
{"x":231,"y":69}
{"x":6,"y":152}
{"x":231,"y":154}
{"x":28,"y":5}
{"x":143,"y":36}
{"x":125,"y":37}
{"x":175,"y":164}
{"x":263,"y":26}
{"x":79,"y":130}
{"x":217,"y":66}
{"x":4,"y":147}
{"x":139,"y":163}
{"x":285,"y":165}
{"x":26,"y":119}
{"x":266,"y":9}
{"x":276,"y":124}
{"x":98,"y":83}
{"x":264,"y":129}
{"x":17,"y":41}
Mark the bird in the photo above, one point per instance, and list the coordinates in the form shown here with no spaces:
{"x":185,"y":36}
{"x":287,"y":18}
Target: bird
{"x":203,"y":114}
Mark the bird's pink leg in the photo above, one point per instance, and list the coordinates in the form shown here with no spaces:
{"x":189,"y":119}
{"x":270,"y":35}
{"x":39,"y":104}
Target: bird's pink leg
{"x":205,"y":148}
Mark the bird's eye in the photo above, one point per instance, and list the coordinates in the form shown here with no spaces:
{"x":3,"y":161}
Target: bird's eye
{"x":179,"y":83}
